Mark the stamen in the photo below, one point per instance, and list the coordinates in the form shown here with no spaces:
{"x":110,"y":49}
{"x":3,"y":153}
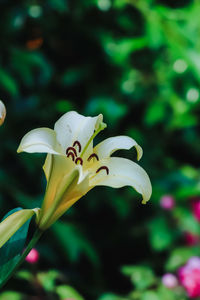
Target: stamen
{"x":72,"y":155}
{"x":72,"y":149}
{"x":93,"y":155}
{"x":79,"y":159}
{"x":79,"y":145}
{"x":103,"y":168}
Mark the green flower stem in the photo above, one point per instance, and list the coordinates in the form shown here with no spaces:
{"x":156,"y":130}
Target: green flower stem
{"x":31,"y":244}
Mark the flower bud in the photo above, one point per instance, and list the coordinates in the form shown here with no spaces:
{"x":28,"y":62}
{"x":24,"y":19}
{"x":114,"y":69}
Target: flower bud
{"x":169,"y":280}
{"x":2,"y":112}
{"x":167,"y":202}
{"x":33,"y":256}
{"x":189,"y":277}
{"x":191,"y":239}
{"x":196,"y":208}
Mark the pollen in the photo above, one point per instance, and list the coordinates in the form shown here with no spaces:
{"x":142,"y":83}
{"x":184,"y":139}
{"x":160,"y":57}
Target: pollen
{"x":71,"y":149}
{"x":79,"y":159}
{"x":93,"y":155}
{"x":103,"y":168}
{"x":78,"y":144}
{"x":72,"y":155}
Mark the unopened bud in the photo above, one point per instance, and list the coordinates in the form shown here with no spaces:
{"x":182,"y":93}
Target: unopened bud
{"x":33,"y":256}
{"x":167,"y":202}
{"x":2,"y":112}
{"x":169,"y":280}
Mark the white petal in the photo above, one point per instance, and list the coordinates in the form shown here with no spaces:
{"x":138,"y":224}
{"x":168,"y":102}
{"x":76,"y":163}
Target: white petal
{"x":109,"y":146}
{"x":70,"y":198}
{"x":73,"y":127}
{"x":47,"y":166}
{"x":40,"y":140}
{"x":63,"y":178}
{"x":123,"y":172}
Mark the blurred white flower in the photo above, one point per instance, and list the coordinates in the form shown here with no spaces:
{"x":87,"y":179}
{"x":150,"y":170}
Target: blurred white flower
{"x":2,"y":112}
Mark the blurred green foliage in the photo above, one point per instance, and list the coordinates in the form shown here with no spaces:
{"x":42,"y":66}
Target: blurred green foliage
{"x":138,"y":63}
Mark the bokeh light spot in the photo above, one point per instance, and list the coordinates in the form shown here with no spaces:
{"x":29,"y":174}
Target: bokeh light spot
{"x":104,"y":4}
{"x":35,"y":11}
{"x":192,"y":95}
{"x":180,"y":66}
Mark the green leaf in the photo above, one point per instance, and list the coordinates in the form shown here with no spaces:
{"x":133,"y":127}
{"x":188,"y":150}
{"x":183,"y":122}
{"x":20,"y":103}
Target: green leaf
{"x":186,"y":220}
{"x":74,"y":242}
{"x":107,"y":105}
{"x":10,"y":295}
{"x":111,"y":297}
{"x":166,"y":294}
{"x":120,"y":50}
{"x":180,"y":256}
{"x":150,"y":295}
{"x":48,"y":279}
{"x":72,"y":76}
{"x":155,"y":113}
{"x":161,"y":237}
{"x":10,"y":253}
{"x":27,"y":63}
{"x":68,"y":292}
{"x":141,"y":276}
{"x":8,"y":83}
{"x":63,"y":106}
{"x":119,"y":4}
{"x":154,"y":30}
{"x":59,"y":5}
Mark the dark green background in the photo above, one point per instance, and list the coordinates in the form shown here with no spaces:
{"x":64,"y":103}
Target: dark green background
{"x":138,"y":63}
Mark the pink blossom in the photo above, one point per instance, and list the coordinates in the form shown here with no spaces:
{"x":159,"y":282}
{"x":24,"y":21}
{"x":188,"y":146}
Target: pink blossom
{"x":196,"y":208}
{"x":167,"y":202}
{"x":169,"y":280}
{"x":194,"y":262}
{"x":191,"y":239}
{"x":33,"y":256}
{"x":189,"y":277}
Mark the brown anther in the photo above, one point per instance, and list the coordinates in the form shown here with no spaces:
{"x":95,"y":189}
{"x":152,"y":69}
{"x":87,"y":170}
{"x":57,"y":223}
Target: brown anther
{"x":103,"y":168}
{"x":79,"y":159}
{"x":93,"y":155}
{"x":71,"y":149}
{"x":72,"y":155}
{"x":79,"y":145}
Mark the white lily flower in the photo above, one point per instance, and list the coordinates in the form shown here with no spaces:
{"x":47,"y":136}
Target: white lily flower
{"x":73,"y":166}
